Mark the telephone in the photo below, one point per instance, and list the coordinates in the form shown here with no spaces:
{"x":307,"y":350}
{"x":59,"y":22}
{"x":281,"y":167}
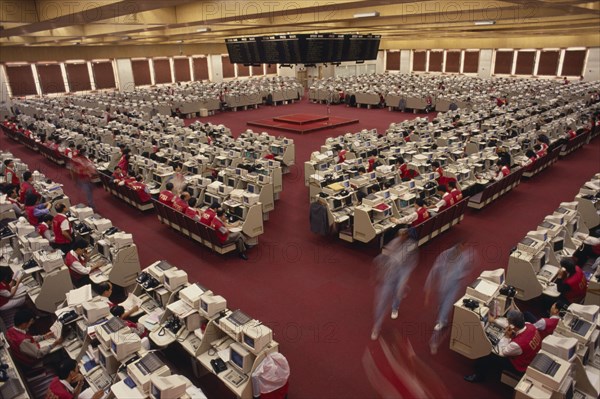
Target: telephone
{"x":218,"y":365}
{"x":150,"y":282}
{"x":173,"y":324}
{"x":68,"y":317}
{"x":31,"y":263}
{"x":111,"y":231}
{"x":470,"y":303}
{"x":142,"y":277}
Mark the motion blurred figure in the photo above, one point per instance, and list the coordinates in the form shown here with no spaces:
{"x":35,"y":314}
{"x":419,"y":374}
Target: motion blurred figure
{"x":394,"y":265}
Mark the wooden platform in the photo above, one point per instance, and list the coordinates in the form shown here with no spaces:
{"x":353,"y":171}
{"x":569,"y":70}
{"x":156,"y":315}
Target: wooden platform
{"x":302,"y":123}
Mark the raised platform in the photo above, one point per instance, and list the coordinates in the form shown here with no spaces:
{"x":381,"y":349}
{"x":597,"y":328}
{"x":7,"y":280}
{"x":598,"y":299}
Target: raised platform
{"x":302,"y":123}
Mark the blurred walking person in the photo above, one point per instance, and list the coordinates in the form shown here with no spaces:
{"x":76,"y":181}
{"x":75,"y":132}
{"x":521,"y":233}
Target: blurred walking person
{"x":394,"y":265}
{"x":85,"y":171}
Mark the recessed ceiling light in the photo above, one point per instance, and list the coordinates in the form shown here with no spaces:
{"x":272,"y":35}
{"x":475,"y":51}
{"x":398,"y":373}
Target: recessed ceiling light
{"x":483,"y":23}
{"x":366,"y":14}
{"x":200,"y":30}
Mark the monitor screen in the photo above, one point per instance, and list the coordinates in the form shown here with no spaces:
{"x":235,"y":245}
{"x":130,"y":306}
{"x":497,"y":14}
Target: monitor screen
{"x":323,"y":166}
{"x":575,"y":227}
{"x":155,"y":392}
{"x":337,"y":204}
{"x":237,"y":359}
{"x":102,"y":358}
{"x":209,"y":199}
{"x":558,"y":245}
{"x":249,"y":341}
{"x":113,"y":346}
{"x":221,"y":189}
{"x":337,"y":168}
{"x":251,"y":188}
{"x":411,"y":184}
{"x":204,"y":305}
{"x":542,"y":261}
{"x":238,"y":211}
{"x":103,"y":250}
{"x":373,"y":176}
{"x":348,"y":200}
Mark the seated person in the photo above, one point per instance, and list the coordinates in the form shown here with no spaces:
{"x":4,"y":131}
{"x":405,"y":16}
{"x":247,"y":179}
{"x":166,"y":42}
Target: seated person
{"x":138,"y":328}
{"x":547,"y":325}
{"x":402,"y":169}
{"x":421,"y":211}
{"x":191,"y":210}
{"x":25,"y":348}
{"x":44,"y":228}
{"x":539,"y":151}
{"x":27,"y":187}
{"x":104,"y":290}
{"x":180,"y":204}
{"x":455,"y":191}
{"x":438,"y":169}
{"x":225,"y":236}
{"x":68,"y":383}
{"x":76,"y":260}
{"x":12,"y":293}
{"x":34,"y":210}
{"x":571,"y":281}
{"x":140,"y":188}
{"x":166,"y":196}
{"x":590,"y":249}
{"x":518,"y":347}
{"x":209,"y":214}
{"x":13,"y":197}
{"x":446,"y":201}
{"x":118,"y":174}
{"x":502,"y":170}
{"x":531,"y":157}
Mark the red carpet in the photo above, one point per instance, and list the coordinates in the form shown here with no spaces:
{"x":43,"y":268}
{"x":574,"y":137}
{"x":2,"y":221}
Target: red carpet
{"x":317,"y":293}
{"x":303,"y":123}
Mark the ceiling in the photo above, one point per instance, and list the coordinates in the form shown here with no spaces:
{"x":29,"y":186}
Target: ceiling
{"x":38,"y":23}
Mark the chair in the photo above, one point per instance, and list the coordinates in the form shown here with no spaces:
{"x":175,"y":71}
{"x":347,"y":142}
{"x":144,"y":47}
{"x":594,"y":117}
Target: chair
{"x":217,"y":246}
{"x":424,"y":230}
{"x":159,"y":210}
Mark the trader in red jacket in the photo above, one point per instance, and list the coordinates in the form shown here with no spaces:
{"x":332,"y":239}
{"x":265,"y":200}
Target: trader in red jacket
{"x":76,"y":260}
{"x":571,"y":281}
{"x":9,"y":173}
{"x":547,"y":325}
{"x":61,"y":227}
{"x":166,"y":196}
{"x":225,"y":236}
{"x":209,"y":214}
{"x":68,"y":383}
{"x":517,"y":349}
{"x":25,"y":348}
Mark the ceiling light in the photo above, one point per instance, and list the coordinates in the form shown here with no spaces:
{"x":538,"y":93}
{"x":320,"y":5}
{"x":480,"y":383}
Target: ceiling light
{"x":366,"y":14}
{"x":483,"y":23}
{"x":200,"y":30}
{"x":179,"y":41}
{"x":126,"y":38}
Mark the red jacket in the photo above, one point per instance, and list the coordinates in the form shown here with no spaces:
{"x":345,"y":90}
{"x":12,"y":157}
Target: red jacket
{"x":191,"y":212}
{"x":422,"y":215}
{"x":42,"y":228}
{"x":551,"y":323}
{"x":530,"y":343}
{"x":220,"y":230}
{"x":11,"y":177}
{"x":15,"y":338}
{"x":25,"y":187}
{"x":449,"y":201}
{"x":69,"y":260}
{"x":207,"y":217}
{"x":578,"y":286}
{"x":141,"y":190}
{"x":30,"y":216}
{"x":180,"y":205}
{"x":58,"y":235}
{"x":166,"y":197}
{"x":57,"y":390}
{"x":457,"y":194}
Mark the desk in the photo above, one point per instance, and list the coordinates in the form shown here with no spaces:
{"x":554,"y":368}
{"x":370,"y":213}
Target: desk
{"x":15,"y":384}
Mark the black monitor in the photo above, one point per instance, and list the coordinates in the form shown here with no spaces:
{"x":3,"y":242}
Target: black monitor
{"x":337,"y":204}
{"x":210,"y":199}
{"x":238,"y":211}
{"x":558,"y":245}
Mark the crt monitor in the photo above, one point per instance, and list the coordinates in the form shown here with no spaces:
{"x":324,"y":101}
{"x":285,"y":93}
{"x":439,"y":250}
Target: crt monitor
{"x":558,"y":245}
{"x":256,"y":337}
{"x":346,"y":184}
{"x":104,"y":249}
{"x":169,"y":387}
{"x":337,"y":204}
{"x":237,"y":211}
{"x":210,"y":199}
{"x":240,"y":358}
{"x":251,"y":188}
{"x":210,"y":304}
{"x":94,"y":310}
{"x":323,"y":166}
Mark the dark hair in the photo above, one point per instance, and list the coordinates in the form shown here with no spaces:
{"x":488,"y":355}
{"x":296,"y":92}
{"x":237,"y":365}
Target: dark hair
{"x":23,"y":316}
{"x":169,"y":186}
{"x":220,"y":212}
{"x":435,"y":164}
{"x":27,"y":175}
{"x":362,"y":169}
{"x":192,"y":201}
{"x":102,"y":287}
{"x":214,"y":205}
{"x":516,"y":318}
{"x":46,"y":218}
{"x":80,"y":243}
{"x":561,"y":305}
{"x":65,"y":368}
{"x":6,"y":274}
{"x":30,"y":199}
{"x":60,"y":207}
{"x":400,"y":160}
{"x":117,"y":311}
{"x":568,"y":264}
{"x":452,"y":184}
{"x":442,"y":188}
{"x":82,"y":151}
{"x":420,"y":201}
{"x":530,"y":153}
{"x":7,"y":162}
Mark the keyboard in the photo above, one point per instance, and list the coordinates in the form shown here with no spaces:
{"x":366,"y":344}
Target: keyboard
{"x":113,"y":325}
{"x":235,"y":378}
{"x":544,"y":364}
{"x":149,"y":364}
{"x":239,"y":318}
{"x":100,"y":379}
{"x":164,"y":265}
{"x":11,"y":388}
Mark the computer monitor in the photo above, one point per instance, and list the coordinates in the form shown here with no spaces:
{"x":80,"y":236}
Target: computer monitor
{"x":174,"y":279}
{"x":558,"y":245}
{"x":483,"y":290}
{"x":495,"y":276}
{"x":210,"y":305}
{"x":210,"y":199}
{"x":237,"y":211}
{"x":336,"y":204}
{"x":323,"y":166}
{"x":95,"y":310}
{"x":240,"y":358}
{"x":103,"y":248}
{"x":373,"y":175}
{"x":251,"y":188}
{"x":411,"y":184}
{"x":169,"y":387}
{"x":337,"y":168}
{"x":562,"y":347}
{"x":108,"y":360}
{"x":346,"y":184}
{"x":542,"y":260}
{"x":124,"y":344}
{"x":586,"y":312}
{"x":256,"y":337}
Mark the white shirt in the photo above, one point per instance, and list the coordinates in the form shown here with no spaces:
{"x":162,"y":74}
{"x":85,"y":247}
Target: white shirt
{"x":508,"y":348}
{"x":67,"y":385}
{"x":541,"y":323}
{"x":64,"y":226}
{"x":78,"y":267}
